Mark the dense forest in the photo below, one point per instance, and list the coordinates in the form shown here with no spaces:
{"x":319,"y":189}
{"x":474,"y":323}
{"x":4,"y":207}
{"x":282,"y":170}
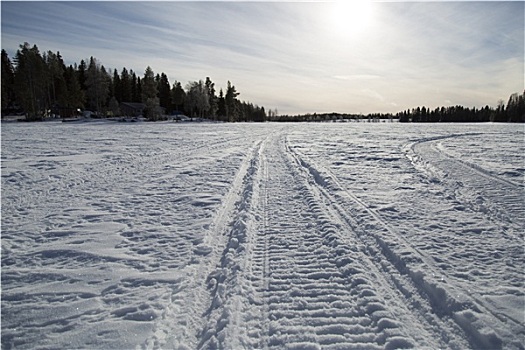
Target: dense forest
{"x":41,"y":85}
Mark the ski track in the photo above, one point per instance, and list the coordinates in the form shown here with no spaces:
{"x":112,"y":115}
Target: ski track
{"x":260,"y":237}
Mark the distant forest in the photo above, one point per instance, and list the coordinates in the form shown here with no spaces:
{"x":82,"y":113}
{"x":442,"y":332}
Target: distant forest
{"x":512,"y":112}
{"x":41,"y":85}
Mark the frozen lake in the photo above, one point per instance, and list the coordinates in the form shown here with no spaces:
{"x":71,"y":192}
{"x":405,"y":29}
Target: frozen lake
{"x":299,"y":236}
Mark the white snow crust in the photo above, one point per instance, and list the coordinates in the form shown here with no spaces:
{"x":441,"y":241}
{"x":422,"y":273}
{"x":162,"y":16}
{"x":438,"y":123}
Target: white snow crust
{"x":262,"y":236}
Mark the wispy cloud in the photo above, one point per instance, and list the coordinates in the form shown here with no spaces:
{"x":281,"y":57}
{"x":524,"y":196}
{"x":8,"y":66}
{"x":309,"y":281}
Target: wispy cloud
{"x":287,"y":55}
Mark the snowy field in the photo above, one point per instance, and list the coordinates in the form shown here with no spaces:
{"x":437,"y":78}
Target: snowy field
{"x":277,"y":236}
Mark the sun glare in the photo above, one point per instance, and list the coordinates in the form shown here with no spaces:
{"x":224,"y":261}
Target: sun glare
{"x":351,"y":17}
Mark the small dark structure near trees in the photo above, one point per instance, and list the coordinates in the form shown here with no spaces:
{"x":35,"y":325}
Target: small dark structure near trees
{"x":132,"y":109}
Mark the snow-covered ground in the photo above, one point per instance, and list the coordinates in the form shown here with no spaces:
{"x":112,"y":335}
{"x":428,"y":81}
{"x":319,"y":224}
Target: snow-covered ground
{"x":297,"y":236}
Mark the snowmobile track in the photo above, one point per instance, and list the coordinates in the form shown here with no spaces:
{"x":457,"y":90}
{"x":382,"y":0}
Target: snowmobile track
{"x":478,"y":188}
{"x":353,"y":215}
{"x":212,"y":269}
{"x":416,"y":276}
{"x":263,"y":236}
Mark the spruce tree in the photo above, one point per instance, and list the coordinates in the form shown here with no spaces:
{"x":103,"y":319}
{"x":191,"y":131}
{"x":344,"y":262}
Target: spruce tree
{"x":177,"y":95}
{"x":149,"y":95}
{"x":126,"y":89}
{"x":117,"y":86}
{"x":81,"y":71}
{"x":8,"y":78}
{"x":164,"y":92}
{"x":221,"y":105}
{"x":97,"y":83}
{"x":30,"y":81}
{"x":149,"y":86}
{"x":56,"y":88}
{"x":212,"y":98}
{"x":231,"y":103}
{"x":75,"y":95}
{"x":135,"y":95}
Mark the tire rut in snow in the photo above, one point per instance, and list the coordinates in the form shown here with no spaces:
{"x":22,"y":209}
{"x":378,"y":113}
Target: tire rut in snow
{"x":416,"y":276}
{"x":323,"y":290}
{"x":357,"y":224}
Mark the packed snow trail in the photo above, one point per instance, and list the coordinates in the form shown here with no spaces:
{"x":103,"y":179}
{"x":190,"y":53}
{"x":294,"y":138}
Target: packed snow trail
{"x":294,"y":274}
{"x":324,"y":289}
{"x":262,"y":236}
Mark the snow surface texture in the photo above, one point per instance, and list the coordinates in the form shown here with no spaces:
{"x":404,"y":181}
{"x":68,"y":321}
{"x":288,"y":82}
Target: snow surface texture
{"x":296,"y":236}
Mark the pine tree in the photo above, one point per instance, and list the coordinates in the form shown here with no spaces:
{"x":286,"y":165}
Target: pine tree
{"x":149,"y":86}
{"x":126,"y":90}
{"x":117,"y":86}
{"x":75,"y":96}
{"x":8,"y":78}
{"x":38,"y":82}
{"x":521,"y":108}
{"x":231,"y":105}
{"x":177,"y":95}
{"x":212,"y":98}
{"x":221,"y":105}
{"x":164,"y":92}
{"x":30,"y":83}
{"x":97,"y":83}
{"x":135,"y":91}
{"x":139,"y":90}
{"x":81,"y":71}
{"x":512,"y":109}
{"x":57,"y":88}
{"x":149,"y":95}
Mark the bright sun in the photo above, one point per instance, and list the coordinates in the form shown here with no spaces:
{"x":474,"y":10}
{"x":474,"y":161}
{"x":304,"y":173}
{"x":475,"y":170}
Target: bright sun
{"x":351,"y":17}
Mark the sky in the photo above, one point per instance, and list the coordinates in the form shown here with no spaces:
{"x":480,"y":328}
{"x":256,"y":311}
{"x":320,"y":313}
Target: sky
{"x":296,"y":57}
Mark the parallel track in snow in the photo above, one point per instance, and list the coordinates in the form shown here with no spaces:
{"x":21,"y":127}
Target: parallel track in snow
{"x":478,"y":188}
{"x":295,"y":272}
{"x":325,"y":289}
{"x":194,"y":317}
{"x":268,"y":237}
{"x":417,"y":275}
{"x":418,"y":296}
{"x":293,"y":259}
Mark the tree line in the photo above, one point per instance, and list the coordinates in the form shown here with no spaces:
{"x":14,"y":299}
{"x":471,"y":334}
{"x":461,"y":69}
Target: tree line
{"x":511,"y":112}
{"x":40,"y":84}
